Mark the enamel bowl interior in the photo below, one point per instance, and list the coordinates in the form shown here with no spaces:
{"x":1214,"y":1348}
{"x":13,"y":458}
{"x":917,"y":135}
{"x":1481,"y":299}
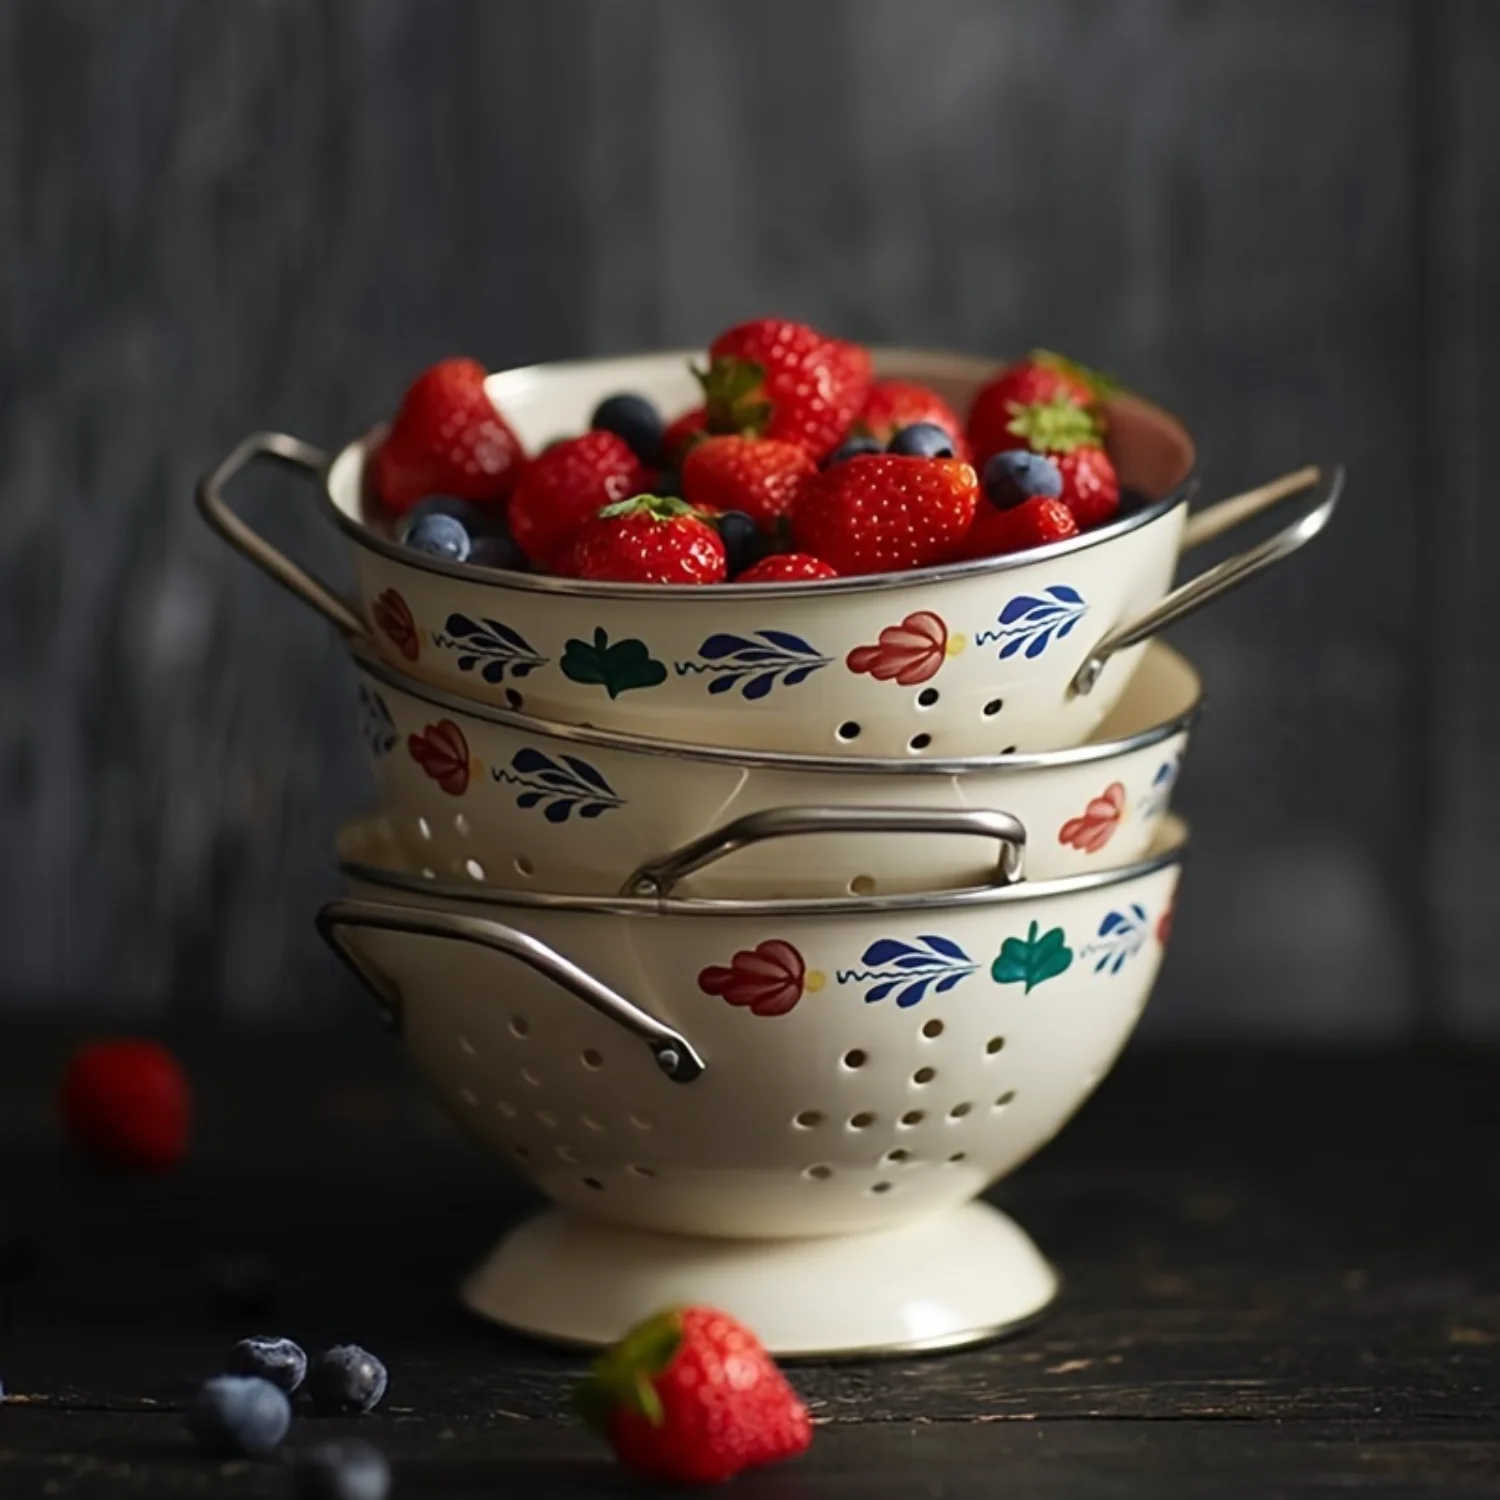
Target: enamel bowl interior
{"x":1151,"y":450}
{"x":851,"y":1083}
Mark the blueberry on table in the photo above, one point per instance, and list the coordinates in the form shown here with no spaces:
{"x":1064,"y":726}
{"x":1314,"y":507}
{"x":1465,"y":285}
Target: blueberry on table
{"x":278,"y":1360}
{"x":346,"y":1380}
{"x":344,"y":1470}
{"x":239,"y":1416}
{"x":1016,"y":476}
{"x":922,"y":440}
{"x":635,"y":420}
{"x":744,"y":542}
{"x":440,"y":535}
{"x":853,"y":447}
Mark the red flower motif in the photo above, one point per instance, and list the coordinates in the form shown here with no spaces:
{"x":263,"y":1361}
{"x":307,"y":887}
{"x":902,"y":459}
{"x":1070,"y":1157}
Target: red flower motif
{"x":1164,"y":922}
{"x":1096,"y":827}
{"x":393,"y":615}
{"x":443,"y":753}
{"x":768,"y":979}
{"x":910,"y":652}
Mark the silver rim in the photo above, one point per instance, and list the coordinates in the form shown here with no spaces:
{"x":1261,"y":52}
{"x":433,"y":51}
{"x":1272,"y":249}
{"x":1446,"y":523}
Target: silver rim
{"x":362,"y":536}
{"x":1174,"y":839}
{"x":631,"y":744}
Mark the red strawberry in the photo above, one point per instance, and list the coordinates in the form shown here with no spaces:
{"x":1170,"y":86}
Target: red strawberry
{"x":894,"y":404}
{"x":1033,"y":523}
{"x":1041,"y":377}
{"x":883,"y":513}
{"x":691,"y":1396}
{"x":447,"y":439}
{"x":649,"y":540}
{"x":1071,"y":437}
{"x":126,"y":1104}
{"x":787,"y":567}
{"x":681,"y":433}
{"x":759,"y":476}
{"x":564,"y":487}
{"x":770,"y":378}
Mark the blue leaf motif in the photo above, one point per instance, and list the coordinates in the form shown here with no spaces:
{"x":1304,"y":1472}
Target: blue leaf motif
{"x":1031,"y":622}
{"x":495,"y":647}
{"x":1122,"y":934}
{"x":559,"y":789}
{"x":1159,"y":794}
{"x":376,"y":725}
{"x":909,"y":970}
{"x":755,"y":664}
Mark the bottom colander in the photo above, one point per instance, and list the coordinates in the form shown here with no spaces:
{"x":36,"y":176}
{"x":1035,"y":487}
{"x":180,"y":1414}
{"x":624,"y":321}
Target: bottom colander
{"x":785,"y":1108}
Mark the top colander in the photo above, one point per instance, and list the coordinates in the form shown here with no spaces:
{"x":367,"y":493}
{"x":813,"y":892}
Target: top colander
{"x":1025,"y":652}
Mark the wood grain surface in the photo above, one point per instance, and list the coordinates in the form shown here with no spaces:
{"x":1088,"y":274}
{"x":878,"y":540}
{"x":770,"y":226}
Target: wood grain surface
{"x":218,"y":216}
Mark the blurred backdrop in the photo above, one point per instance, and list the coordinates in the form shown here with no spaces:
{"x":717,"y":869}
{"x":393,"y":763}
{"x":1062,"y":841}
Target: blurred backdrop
{"x":1281,"y":220}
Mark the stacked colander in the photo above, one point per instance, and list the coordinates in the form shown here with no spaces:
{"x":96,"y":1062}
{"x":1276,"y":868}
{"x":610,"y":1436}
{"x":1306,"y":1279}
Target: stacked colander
{"x":764,"y":927}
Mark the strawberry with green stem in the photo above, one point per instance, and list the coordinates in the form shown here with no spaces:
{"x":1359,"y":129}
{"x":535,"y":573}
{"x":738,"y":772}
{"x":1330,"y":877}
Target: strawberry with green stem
{"x":648,"y":539}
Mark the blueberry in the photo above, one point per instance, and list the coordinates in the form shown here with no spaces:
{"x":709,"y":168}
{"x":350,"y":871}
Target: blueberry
{"x":1015,"y":476}
{"x":239,"y":1416}
{"x":744,"y":542}
{"x":346,"y":1380}
{"x":922,"y":440}
{"x":344,"y":1470}
{"x":441,"y":536}
{"x":497,"y":550}
{"x":852,"y":447}
{"x":278,"y":1360}
{"x":634,"y":419}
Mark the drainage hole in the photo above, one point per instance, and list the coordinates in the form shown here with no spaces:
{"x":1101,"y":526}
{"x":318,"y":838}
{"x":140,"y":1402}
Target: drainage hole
{"x":639,"y":1171}
{"x":848,"y":731}
{"x":924,"y":1075}
{"x":475,"y":870}
{"x":590,"y":1123}
{"x":547,"y":1118}
{"x":593,"y":1182}
{"x":862,"y":885}
{"x":994,"y":1044}
{"x":960,"y":1110}
{"x":927,"y":697}
{"x":514,"y":700}
{"x":520,"y":1026}
{"x":957,"y":1157}
{"x":592,"y":1057}
{"x":819,"y":1173}
{"x":932,"y":1029}
{"x":529,"y":1077}
{"x":809,"y":1119}
{"x":919,"y":742}
{"x":993,"y":707}
{"x":642,"y":1121}
{"x":567,"y":1154}
{"x":900,"y":1154}
{"x":914,"y":1117}
{"x":424,"y":828}
{"x":1008,"y":1097}
{"x":855,"y":1058}
{"x":862,"y":1121}
{"x":525,"y":867}
{"x":460,"y":825}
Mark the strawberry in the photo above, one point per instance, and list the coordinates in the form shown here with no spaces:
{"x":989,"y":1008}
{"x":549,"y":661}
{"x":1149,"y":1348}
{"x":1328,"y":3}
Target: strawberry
{"x":648,"y":540}
{"x":894,"y":404}
{"x":691,"y":1396}
{"x":775,"y":379}
{"x":126,"y":1104}
{"x":681,"y":433}
{"x":1071,"y":437}
{"x":1033,"y":523}
{"x":759,"y":476}
{"x":787,"y":567}
{"x":563,"y":487}
{"x":883,"y":513}
{"x":447,"y":439}
{"x":1041,"y":377}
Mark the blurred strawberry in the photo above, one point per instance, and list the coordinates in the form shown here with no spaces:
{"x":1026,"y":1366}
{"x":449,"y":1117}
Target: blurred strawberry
{"x":566,"y":486}
{"x":681,"y":433}
{"x":894,"y":404}
{"x":787,"y":567}
{"x":126,"y":1105}
{"x":759,"y":476}
{"x":447,"y":439}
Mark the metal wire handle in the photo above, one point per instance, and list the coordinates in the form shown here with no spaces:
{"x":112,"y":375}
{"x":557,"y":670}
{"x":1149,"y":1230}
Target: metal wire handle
{"x":674,"y":1054}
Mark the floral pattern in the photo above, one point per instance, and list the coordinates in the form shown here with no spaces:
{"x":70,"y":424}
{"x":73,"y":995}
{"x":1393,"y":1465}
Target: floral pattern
{"x":768,"y":980}
{"x":376,"y":726}
{"x":1122,"y":934}
{"x":559,"y":787}
{"x":443,"y":753}
{"x":755,"y":664}
{"x":393,"y":616}
{"x":1164,"y":922}
{"x":617,"y":667}
{"x":1034,"y":959}
{"x":909,"y":970}
{"x":908,"y":653}
{"x":490,"y":645}
{"x":1159,"y":793}
{"x":1096,"y":825}
{"x":1031,"y":622}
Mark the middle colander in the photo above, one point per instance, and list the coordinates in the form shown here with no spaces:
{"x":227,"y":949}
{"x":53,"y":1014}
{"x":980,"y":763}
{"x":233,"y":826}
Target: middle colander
{"x":474,"y":793}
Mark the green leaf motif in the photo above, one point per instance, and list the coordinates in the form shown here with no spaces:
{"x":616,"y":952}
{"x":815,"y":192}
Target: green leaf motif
{"x":1032,"y":960}
{"x":616,"y":668}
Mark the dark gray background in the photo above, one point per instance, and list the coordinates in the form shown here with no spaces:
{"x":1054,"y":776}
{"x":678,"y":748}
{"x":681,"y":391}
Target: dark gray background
{"x":1281,"y":219}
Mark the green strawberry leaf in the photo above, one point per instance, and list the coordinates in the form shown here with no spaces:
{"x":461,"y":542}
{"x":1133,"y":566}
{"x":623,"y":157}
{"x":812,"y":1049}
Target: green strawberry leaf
{"x":1032,"y":960}
{"x":624,"y":1375}
{"x":1056,"y":426}
{"x":730,"y":396}
{"x":616,"y":668}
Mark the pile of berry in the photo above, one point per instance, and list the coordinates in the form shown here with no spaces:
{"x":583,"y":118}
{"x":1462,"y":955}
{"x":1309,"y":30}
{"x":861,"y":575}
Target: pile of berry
{"x":797,"y":465}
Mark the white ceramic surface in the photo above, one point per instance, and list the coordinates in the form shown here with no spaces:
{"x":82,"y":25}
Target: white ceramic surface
{"x":864,"y":1063}
{"x":489,"y":797}
{"x":945,"y":1279}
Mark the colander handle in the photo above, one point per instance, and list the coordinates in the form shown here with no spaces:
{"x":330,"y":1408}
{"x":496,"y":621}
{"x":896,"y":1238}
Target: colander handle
{"x":292,"y":452}
{"x":674,"y":1054}
{"x":1320,"y":489}
{"x":657,"y":877}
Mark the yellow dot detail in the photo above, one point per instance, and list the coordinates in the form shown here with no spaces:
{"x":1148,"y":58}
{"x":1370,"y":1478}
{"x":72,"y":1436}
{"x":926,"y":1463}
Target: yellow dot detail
{"x":956,"y":644}
{"x":814,"y":980}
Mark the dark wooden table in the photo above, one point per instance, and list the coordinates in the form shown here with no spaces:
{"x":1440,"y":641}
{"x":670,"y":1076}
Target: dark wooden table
{"x":1282,"y":1279}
